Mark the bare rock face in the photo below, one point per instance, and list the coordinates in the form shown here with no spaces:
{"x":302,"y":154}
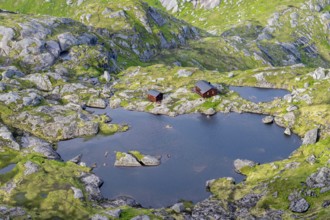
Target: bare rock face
{"x":239,"y":164}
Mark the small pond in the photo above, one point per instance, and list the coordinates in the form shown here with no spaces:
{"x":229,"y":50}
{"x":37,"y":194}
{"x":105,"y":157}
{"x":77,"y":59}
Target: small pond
{"x":197,"y":148}
{"x":255,"y":94}
{"x":7,"y":169}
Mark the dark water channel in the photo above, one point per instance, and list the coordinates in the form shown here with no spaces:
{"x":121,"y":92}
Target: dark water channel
{"x":197,"y":148}
{"x":254,"y":94}
{"x":7,"y":169}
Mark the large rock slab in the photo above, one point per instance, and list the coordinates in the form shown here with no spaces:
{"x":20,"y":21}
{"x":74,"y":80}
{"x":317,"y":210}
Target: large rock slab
{"x":310,"y":137}
{"x":299,"y":205}
{"x":92,"y":185}
{"x":7,"y":138}
{"x":319,"y":179}
{"x":126,"y":160}
{"x":239,"y":164}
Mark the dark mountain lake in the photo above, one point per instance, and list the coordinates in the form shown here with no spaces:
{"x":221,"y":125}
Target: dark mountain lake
{"x":255,"y":94}
{"x":197,"y":148}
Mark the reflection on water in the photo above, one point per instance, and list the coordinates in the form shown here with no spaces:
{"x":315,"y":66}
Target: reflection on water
{"x":195,"y":149}
{"x":254,"y":94}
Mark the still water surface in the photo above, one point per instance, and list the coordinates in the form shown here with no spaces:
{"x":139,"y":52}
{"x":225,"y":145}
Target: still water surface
{"x":255,"y":94}
{"x":197,"y":148}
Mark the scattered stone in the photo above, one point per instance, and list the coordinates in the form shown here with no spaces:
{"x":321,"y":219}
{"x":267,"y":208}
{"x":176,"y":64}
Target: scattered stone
{"x":119,"y":202}
{"x":126,"y":160}
{"x":30,"y":168}
{"x":7,"y":138}
{"x":148,"y":160}
{"x":325,"y":189}
{"x":76,"y":159}
{"x":239,"y":164}
{"x":99,"y":217}
{"x":248,"y":201}
{"x":141,"y":217}
{"x":168,"y":126}
{"x":77,"y":193}
{"x":92,"y":185}
{"x":184,"y":73}
{"x":209,"y":183}
{"x":299,"y":205}
{"x":319,"y":179}
{"x":320,"y":74}
{"x":287,"y":131}
{"x":178,"y":207}
{"x":291,"y":108}
{"x":209,"y":112}
{"x":326,"y":203}
{"x":311,"y":159}
{"x":107,"y":76}
{"x":268,"y":120}
{"x":231,"y":75}
{"x":292,"y":165}
{"x":41,"y":81}
{"x":95,"y":102}
{"x":311,"y":137}
{"x":115,"y":213}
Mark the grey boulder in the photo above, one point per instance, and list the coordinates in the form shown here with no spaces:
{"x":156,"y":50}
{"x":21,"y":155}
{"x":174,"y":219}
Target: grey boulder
{"x":310,"y":137}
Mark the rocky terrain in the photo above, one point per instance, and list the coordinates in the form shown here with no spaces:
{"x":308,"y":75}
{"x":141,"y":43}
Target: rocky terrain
{"x":59,"y":57}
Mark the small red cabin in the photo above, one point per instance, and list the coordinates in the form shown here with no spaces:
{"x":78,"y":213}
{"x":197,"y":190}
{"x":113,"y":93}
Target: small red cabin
{"x":205,"y":89}
{"x":155,"y":96}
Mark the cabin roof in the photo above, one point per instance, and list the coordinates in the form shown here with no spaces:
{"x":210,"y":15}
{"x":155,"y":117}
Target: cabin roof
{"x":154,"y":93}
{"x":204,"y":86}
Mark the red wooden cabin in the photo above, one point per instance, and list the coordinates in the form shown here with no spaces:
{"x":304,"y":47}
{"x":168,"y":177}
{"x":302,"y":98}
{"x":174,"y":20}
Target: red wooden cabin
{"x":155,"y":96}
{"x":205,"y":89}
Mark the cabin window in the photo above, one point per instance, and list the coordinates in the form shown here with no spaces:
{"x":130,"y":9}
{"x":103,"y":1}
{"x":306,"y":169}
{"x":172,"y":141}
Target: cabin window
{"x":207,"y":93}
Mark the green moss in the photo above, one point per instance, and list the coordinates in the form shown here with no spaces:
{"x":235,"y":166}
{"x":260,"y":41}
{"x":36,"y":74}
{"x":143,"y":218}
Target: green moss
{"x":108,"y":129}
{"x":119,"y":155}
{"x":138,"y":155}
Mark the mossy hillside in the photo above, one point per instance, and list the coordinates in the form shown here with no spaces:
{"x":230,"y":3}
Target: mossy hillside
{"x":277,"y":181}
{"x":211,"y":53}
{"x":46,"y":193}
{"x":128,"y":18}
{"x":288,"y":20}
